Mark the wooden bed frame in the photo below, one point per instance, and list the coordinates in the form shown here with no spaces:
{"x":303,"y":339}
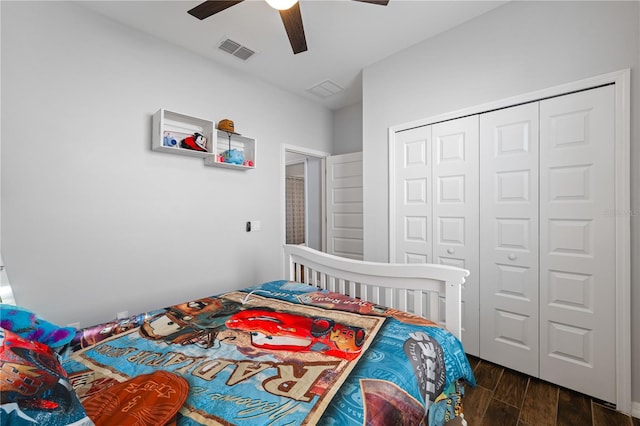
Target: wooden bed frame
{"x":417,"y":288}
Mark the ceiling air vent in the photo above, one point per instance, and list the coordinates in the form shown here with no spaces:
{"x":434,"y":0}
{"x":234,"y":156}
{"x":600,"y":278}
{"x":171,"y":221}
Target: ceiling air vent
{"x":236,"y":49}
{"x":325,"y":89}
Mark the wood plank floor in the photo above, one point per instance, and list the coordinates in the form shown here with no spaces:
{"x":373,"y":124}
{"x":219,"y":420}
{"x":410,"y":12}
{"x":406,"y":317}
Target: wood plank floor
{"x":509,"y":398}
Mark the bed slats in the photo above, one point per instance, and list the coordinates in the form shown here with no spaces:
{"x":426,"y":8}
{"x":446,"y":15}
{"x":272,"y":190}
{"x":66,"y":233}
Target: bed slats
{"x":414,"y":288}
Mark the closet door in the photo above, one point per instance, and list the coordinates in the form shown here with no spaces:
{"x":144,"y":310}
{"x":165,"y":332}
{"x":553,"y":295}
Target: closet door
{"x":509,"y":237}
{"x":577,"y":242}
{"x":413,"y":205}
{"x":455,"y":212}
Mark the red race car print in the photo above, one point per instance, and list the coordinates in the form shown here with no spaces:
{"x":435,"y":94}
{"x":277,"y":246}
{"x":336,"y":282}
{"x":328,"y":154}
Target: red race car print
{"x":297,"y":333}
{"x":31,"y":376}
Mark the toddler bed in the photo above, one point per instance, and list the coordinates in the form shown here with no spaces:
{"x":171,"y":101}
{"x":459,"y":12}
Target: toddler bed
{"x":339,"y":342}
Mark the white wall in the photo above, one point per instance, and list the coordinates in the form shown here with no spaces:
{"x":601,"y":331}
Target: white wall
{"x":347,"y":129}
{"x":517,"y":48}
{"x":92,"y":217}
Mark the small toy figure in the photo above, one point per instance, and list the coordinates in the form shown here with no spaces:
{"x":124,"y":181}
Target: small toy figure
{"x":169,"y":140}
{"x":233,"y":156}
{"x":196,"y":142}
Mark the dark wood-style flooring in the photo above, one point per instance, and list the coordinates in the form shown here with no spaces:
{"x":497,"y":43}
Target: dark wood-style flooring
{"x":505,"y":397}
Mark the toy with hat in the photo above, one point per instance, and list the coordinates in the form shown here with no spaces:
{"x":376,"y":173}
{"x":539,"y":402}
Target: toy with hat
{"x":196,"y":142}
{"x":231,"y":155}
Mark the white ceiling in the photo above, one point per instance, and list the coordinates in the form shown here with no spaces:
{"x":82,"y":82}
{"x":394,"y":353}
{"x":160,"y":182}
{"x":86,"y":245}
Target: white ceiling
{"x":343,"y":36}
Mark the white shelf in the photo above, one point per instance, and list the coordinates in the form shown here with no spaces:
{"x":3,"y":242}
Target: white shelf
{"x":175,"y":126}
{"x":242,"y":144}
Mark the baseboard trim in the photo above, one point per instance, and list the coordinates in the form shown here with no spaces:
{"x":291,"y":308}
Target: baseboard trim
{"x":635,"y":409}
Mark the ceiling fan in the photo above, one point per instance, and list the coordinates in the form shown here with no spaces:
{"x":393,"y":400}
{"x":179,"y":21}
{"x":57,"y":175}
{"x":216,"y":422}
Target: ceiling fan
{"x":289,"y":12}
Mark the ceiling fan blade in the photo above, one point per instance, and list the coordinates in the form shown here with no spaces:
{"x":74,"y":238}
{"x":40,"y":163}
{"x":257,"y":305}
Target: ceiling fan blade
{"x":211,"y":7}
{"x":380,"y":2}
{"x":292,"y":20}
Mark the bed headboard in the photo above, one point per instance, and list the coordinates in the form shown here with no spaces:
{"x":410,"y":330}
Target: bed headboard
{"x":417,"y":288}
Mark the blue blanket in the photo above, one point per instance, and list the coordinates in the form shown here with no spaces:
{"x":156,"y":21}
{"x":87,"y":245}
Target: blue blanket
{"x":283,"y":353}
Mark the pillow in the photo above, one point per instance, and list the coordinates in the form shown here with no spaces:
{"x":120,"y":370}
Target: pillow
{"x":34,"y":388}
{"x":32,"y":327}
{"x":145,"y":400}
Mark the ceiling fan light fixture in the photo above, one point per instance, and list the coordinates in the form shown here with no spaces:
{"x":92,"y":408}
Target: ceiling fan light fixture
{"x":281,"y":4}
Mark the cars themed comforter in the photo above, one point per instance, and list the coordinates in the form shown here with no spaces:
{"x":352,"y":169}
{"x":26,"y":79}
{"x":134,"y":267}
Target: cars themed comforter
{"x":282,"y":353}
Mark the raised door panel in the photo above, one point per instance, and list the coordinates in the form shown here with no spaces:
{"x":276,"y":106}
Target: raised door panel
{"x":577,"y":242}
{"x":509,"y":237}
{"x":344,"y":205}
{"x":456,"y":213}
{"x":413,"y":205}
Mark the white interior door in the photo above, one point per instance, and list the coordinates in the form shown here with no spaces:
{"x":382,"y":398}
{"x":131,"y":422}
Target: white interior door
{"x":509,"y":237}
{"x":456,"y":213}
{"x":344,"y":205}
{"x":412,"y":187}
{"x":435,"y":205}
{"x":554,"y":226}
{"x":577,"y":242}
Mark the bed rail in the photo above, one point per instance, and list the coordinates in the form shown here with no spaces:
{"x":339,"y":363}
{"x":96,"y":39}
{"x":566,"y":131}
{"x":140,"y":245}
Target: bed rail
{"x":417,"y":288}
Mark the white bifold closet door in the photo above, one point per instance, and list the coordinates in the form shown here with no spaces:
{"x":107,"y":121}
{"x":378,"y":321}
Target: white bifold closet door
{"x":436,"y":206}
{"x":413,"y":189}
{"x":509,"y":237}
{"x":547,"y":252}
{"x":577,"y":242}
{"x":524,"y":198}
{"x":456,"y":214}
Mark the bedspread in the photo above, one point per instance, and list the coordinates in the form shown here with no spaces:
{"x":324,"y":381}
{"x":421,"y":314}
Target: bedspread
{"x":283,"y":353}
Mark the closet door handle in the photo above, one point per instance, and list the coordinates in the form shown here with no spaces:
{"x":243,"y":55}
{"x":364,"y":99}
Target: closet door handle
{"x":450,"y":251}
{"x":512,"y":256}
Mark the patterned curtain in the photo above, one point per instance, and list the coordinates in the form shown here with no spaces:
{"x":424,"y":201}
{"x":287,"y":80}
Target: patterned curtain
{"x":295,"y":210}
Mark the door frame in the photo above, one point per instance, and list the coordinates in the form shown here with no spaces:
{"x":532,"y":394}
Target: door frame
{"x":622,"y":208}
{"x":307,"y":152}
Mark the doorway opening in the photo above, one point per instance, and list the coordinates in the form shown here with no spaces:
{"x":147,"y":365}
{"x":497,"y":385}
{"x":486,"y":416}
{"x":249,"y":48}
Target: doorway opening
{"x":303,"y":190}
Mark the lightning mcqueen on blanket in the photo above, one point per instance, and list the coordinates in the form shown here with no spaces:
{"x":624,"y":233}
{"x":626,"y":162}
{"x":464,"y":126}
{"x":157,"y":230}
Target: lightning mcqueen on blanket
{"x":281,"y":353}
